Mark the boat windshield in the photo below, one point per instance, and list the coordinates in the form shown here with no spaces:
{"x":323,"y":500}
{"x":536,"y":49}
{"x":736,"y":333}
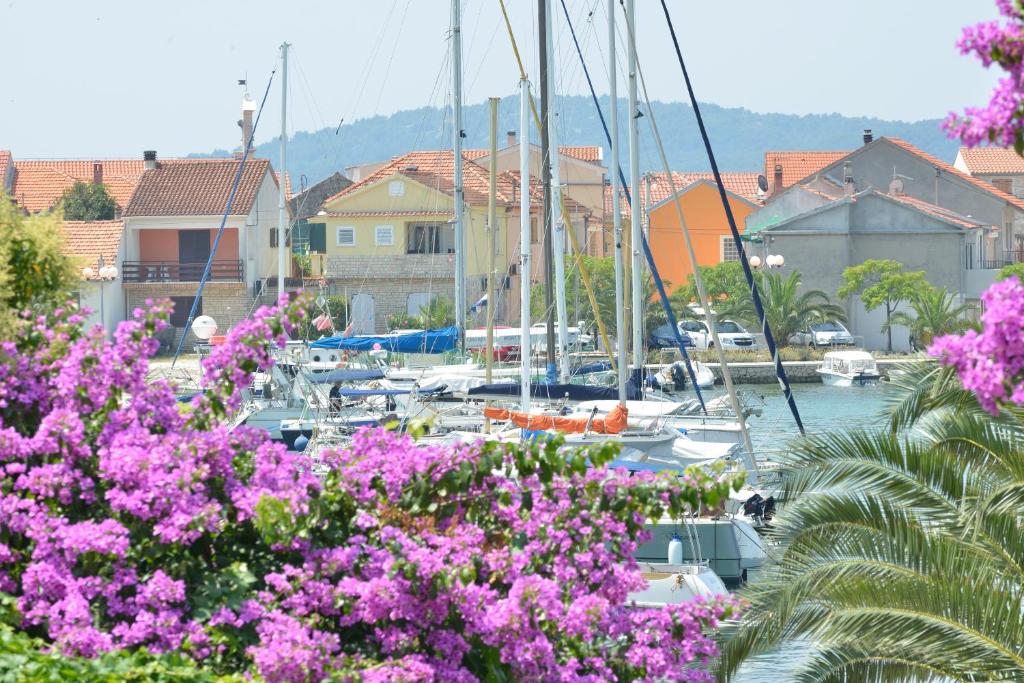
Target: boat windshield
{"x":828,"y":327}
{"x":728,"y":327}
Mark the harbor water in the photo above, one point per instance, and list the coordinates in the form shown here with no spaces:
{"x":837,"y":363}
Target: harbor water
{"x":822,"y":408}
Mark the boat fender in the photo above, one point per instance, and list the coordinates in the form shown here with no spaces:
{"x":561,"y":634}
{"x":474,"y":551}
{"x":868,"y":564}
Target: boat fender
{"x":301,"y":441}
{"x":675,"y":550}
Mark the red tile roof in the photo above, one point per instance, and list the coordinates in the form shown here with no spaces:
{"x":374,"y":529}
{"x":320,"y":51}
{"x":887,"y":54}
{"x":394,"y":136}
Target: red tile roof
{"x":589,"y":153}
{"x":5,"y":168}
{"x":992,"y":160}
{"x":513,"y":178}
{"x":89,"y":240}
{"x":39,"y":183}
{"x":948,"y":168}
{"x":436,"y":169}
{"x":796,"y":166}
{"x":197,"y":187}
{"x":743,"y":184}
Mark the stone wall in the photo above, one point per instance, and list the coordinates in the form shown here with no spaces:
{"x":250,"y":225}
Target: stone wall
{"x":226,"y":302}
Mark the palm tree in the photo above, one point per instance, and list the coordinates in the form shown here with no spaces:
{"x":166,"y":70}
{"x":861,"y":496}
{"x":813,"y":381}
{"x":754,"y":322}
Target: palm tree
{"x":904,"y":547}
{"x":935,"y":313}
{"x":787,"y":311}
{"x":439,"y":312}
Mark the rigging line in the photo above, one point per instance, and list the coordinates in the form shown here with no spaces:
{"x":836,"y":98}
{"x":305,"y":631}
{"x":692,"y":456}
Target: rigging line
{"x":371,"y":61}
{"x":659,"y":283}
{"x":223,"y":222}
{"x":391,"y":59}
{"x":577,"y":252}
{"x":780,"y":371}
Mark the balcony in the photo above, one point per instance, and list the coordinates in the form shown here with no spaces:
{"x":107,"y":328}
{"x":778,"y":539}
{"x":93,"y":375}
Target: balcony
{"x":1001,"y":259}
{"x":177,"y":271}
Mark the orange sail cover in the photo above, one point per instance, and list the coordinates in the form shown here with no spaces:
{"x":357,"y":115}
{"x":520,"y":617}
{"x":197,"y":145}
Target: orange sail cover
{"x":613,"y":423}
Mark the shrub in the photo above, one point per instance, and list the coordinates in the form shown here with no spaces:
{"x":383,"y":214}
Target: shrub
{"x":128,"y":525}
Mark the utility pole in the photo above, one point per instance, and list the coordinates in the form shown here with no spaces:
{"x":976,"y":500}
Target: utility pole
{"x":282,"y":198}
{"x":557,"y":221}
{"x":545,"y":175}
{"x":460,"y":233}
{"x":524,"y":244}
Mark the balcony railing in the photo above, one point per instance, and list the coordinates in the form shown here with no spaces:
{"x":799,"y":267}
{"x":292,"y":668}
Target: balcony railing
{"x":177,"y":271}
{"x":1002,"y":259}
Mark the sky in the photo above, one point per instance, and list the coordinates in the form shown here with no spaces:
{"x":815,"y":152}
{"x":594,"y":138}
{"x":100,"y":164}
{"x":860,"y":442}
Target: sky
{"x":110,"y":78}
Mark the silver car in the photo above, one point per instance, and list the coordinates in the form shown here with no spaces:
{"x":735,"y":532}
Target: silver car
{"x":823,"y":334}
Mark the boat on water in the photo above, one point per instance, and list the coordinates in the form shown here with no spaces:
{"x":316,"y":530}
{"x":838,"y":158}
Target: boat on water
{"x":849,"y":368}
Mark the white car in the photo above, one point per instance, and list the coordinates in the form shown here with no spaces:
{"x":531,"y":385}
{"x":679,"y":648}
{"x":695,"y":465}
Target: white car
{"x":823,"y":334}
{"x":730,"y":333}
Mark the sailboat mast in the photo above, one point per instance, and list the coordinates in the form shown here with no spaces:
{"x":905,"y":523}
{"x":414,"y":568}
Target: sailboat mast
{"x":492,"y":229}
{"x":545,"y":175}
{"x":282,"y":197}
{"x":556,"y":219}
{"x":620,"y":303}
{"x":460,"y":237}
{"x":524,"y":241}
{"x":634,"y":192}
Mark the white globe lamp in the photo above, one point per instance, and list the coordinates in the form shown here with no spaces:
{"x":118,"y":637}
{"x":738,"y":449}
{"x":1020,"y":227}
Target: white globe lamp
{"x":204,"y":327}
{"x":755,"y":261}
{"x":108,"y":273}
{"x":88,"y":273}
{"x":779,"y":261}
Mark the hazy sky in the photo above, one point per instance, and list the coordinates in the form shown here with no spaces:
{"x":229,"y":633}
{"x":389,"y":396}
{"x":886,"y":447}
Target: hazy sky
{"x":109,"y":78}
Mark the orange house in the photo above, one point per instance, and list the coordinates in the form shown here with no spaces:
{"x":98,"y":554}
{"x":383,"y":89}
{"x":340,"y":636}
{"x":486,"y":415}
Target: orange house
{"x":705,"y":219}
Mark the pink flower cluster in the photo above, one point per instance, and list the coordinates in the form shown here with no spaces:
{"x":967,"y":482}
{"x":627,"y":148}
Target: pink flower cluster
{"x":990,"y":363}
{"x":128,"y":522}
{"x":1002,"y":44}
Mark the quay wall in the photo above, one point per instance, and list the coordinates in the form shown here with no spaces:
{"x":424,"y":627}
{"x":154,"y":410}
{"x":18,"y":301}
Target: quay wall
{"x":798,"y":372}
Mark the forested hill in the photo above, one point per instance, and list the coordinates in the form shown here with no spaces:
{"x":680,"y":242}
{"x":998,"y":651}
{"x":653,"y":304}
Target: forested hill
{"x":740,"y":137}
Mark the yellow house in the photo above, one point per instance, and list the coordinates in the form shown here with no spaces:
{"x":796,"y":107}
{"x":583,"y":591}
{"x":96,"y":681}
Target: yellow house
{"x":391,"y":239}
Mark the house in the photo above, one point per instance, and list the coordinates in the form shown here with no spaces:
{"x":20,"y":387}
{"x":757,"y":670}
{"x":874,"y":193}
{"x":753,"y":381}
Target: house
{"x":171,"y":224}
{"x":708,"y":226}
{"x":890,"y":200}
{"x":702,"y":210}
{"x":94,"y":246}
{"x":309,"y":234}
{"x":390,"y":237}
{"x":1000,"y":167}
{"x":38,"y":184}
{"x":6,"y":172}
{"x":785,"y":169}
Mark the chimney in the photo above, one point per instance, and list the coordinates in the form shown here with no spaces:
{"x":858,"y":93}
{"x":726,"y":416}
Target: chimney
{"x":868,"y":137}
{"x":511,"y":138}
{"x":248,"y":107}
{"x":849,"y":187}
{"x":97,"y":173}
{"x":777,"y":187}
{"x":149,"y":159}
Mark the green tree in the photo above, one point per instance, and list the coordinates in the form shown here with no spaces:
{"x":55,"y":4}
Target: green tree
{"x":87,"y":202}
{"x":903,"y":555}
{"x":936,"y":312}
{"x":1014,"y":269}
{"x":882,"y":282}
{"x":787,"y":310}
{"x":724,"y":280}
{"x":439,"y":312}
{"x":34,"y":271}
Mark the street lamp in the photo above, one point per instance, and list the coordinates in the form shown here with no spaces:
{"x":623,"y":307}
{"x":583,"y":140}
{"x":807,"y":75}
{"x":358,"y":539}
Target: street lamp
{"x":104,"y":274}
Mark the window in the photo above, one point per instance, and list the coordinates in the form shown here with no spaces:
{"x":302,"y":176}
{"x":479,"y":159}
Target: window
{"x":396,"y":188}
{"x":535,"y":230}
{"x":384,"y":235}
{"x":345,"y":236}
{"x":692,"y":326}
{"x":273,"y":239}
{"x":423,"y":238}
{"x":182,"y":306}
{"x":309,"y":235}
{"x":729,"y":251}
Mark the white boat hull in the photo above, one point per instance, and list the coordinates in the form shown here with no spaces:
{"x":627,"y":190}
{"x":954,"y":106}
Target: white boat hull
{"x":671,"y":584}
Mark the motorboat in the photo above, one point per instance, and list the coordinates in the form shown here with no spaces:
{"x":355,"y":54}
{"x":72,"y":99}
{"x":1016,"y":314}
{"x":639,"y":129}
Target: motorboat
{"x":669,"y":584}
{"x":848,"y":368}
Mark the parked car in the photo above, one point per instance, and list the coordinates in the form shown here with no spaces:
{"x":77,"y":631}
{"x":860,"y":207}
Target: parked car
{"x":823,"y":334}
{"x":730,"y":333}
{"x":662,"y":338}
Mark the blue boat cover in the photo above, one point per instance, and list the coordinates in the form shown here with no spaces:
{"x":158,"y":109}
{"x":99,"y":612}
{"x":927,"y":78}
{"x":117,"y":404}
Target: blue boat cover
{"x":430,"y":341}
{"x":352,"y":393}
{"x":599,"y":366}
{"x":557,"y":392}
{"x":345,"y":375}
